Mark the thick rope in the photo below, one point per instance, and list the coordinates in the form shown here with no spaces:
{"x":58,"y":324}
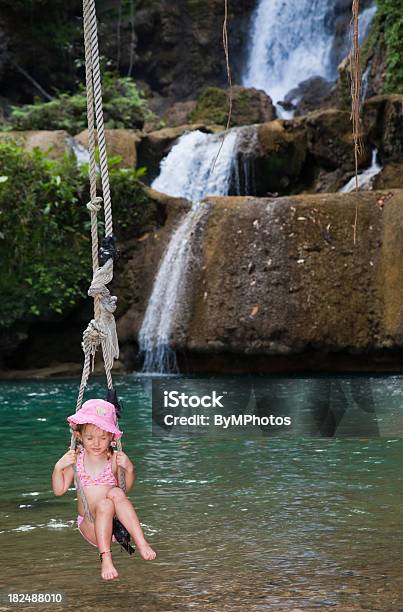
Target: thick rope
{"x":91,"y":19}
{"x":101,"y":330}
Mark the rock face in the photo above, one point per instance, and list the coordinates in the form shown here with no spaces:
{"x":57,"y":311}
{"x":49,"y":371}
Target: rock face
{"x":391,"y":177}
{"x":119,"y":142}
{"x":249,"y":106}
{"x":311,"y":94}
{"x":281,"y":284}
{"x":54,"y":143}
{"x":314,"y":153}
{"x":383,"y":122}
{"x":179,"y":44}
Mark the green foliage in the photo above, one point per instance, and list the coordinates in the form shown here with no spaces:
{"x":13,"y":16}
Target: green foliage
{"x":45,"y":245}
{"x":44,"y":249}
{"x":124,"y":107}
{"x":391,"y":19}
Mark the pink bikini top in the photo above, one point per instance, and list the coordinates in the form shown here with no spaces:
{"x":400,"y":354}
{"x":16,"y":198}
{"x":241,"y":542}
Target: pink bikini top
{"x":106,"y":477}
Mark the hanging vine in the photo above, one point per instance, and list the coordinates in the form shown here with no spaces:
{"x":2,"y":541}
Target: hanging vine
{"x":229,"y":76}
{"x":356,"y":79}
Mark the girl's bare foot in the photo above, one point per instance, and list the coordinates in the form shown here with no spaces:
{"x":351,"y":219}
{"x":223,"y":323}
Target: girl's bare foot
{"x":146,"y":551}
{"x":108,"y":570}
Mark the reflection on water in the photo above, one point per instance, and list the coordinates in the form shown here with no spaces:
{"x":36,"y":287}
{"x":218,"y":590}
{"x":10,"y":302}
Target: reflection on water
{"x":239,"y":524}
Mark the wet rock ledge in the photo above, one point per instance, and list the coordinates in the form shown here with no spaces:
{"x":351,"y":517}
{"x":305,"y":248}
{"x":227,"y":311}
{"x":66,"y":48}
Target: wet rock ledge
{"x":280,"y":286}
{"x":276,"y":285}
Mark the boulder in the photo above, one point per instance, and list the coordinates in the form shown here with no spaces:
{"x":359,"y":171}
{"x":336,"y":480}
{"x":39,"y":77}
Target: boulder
{"x":249,"y":106}
{"x":54,"y":143}
{"x":179,"y":44}
{"x":330,"y":140}
{"x":310,"y":95}
{"x":383,"y":124}
{"x":121,"y":142}
{"x":178,"y":113}
{"x":281,"y":285}
{"x":390,"y":177}
{"x":279,"y":157}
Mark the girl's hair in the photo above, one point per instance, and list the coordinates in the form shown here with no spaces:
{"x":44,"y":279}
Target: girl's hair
{"x":81,"y":428}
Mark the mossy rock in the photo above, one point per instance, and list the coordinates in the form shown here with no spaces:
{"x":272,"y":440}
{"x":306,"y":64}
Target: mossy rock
{"x":283,"y":154}
{"x":249,"y":106}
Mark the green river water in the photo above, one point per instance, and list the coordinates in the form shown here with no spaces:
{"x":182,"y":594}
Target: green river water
{"x":247,"y":523}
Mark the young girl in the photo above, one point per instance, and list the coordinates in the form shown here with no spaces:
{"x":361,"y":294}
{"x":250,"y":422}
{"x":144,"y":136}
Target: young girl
{"x":97,"y":466}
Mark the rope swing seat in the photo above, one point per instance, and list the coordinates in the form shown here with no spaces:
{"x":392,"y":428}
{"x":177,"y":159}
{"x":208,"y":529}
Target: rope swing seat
{"x":101,"y":331}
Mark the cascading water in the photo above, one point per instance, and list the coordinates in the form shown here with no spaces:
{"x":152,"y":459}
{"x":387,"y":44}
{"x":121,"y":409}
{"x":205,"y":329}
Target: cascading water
{"x":168,"y":297}
{"x":188,"y":172}
{"x":290,"y":43}
{"x":81,"y":153}
{"x":365,"y":178}
{"x":193,"y":171}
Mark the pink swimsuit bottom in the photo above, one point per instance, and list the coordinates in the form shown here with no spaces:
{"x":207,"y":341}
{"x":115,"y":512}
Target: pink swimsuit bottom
{"x":106,"y":477}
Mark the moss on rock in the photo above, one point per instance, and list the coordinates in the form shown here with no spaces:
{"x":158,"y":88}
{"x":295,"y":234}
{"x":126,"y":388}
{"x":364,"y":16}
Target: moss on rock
{"x":249,"y":106}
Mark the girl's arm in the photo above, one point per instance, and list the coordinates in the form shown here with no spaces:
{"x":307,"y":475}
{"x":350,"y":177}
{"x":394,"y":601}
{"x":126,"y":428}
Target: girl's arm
{"x":63,"y":473}
{"x":122,"y":460}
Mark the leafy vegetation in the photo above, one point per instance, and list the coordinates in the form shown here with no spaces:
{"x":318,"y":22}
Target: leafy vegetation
{"x":124,"y":106}
{"x":44,"y":230}
{"x":391,"y":19}
{"x":40,"y":215}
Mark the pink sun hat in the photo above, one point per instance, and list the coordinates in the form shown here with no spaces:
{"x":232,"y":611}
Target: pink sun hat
{"x":98,"y":412}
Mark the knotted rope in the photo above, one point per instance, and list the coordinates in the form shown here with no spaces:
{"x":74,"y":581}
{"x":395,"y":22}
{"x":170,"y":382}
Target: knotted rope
{"x":101,"y":331}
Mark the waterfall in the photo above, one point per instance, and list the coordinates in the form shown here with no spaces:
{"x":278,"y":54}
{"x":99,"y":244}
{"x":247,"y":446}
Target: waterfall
{"x":290,"y":43}
{"x":193,"y":171}
{"x":366,"y":178}
{"x":168,"y":300}
{"x":81,"y":152}
{"x":188,"y":172}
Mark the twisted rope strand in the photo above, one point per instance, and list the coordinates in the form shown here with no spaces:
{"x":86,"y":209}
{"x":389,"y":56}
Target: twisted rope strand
{"x":96,"y":332}
{"x":97,"y":90}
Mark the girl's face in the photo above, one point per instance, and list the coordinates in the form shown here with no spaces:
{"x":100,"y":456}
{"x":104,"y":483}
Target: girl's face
{"x":95,"y":441}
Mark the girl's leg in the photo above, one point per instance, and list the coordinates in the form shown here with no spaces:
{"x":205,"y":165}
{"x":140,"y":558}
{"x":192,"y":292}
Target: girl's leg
{"x":104,"y":512}
{"x":127,"y":515}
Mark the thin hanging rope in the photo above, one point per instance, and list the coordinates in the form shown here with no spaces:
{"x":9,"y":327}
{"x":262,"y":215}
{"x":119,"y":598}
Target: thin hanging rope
{"x":229,"y":77}
{"x":356,"y":79}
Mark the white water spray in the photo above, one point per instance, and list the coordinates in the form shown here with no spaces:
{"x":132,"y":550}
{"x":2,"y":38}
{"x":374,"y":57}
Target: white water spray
{"x":366,"y":178}
{"x":81,"y":152}
{"x":289,"y":43}
{"x":193,"y":171}
{"x":168,"y":300}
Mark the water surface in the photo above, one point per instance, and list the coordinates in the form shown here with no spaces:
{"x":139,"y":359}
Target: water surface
{"x":238,"y":523}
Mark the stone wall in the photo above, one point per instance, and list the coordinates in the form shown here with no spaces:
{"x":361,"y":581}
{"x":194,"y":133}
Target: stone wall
{"x":281,"y":284}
